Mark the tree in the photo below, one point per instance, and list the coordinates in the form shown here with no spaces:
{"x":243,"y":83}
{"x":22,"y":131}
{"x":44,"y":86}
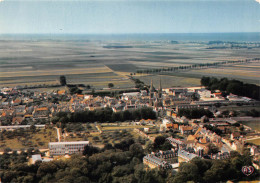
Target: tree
{"x":158,"y":141}
{"x":212,"y":149}
{"x":110,"y":85}
{"x":205,"y":81}
{"x":63,"y":80}
{"x":187,"y":172}
{"x":137,"y":150}
{"x":89,"y":150}
{"x":75,"y":90}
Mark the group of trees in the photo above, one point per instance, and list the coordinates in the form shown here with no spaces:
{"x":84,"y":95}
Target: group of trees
{"x":98,"y":165}
{"x":231,"y":86}
{"x":213,"y":129}
{"x":120,"y":163}
{"x":104,"y":115}
{"x":160,"y":143}
{"x":211,"y":171}
{"x":75,"y":90}
{"x":139,"y":84}
{"x":195,"y":113}
{"x":253,"y":113}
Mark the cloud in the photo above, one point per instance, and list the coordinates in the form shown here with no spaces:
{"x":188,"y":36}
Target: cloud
{"x":1,"y":1}
{"x":258,"y":1}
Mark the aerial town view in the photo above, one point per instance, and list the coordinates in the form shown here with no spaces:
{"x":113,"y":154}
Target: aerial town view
{"x":125,"y":91}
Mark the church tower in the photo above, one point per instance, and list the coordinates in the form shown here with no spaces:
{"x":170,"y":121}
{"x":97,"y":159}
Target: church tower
{"x":151,"y":94}
{"x":151,"y":90}
{"x":160,"y":90}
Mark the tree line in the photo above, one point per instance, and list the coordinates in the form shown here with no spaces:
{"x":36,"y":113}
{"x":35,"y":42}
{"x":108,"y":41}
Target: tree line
{"x":104,"y":115}
{"x":231,"y":86}
{"x":193,"y":66}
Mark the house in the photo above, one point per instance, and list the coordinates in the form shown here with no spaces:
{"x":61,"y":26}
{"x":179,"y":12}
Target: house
{"x":118,"y":107}
{"x":187,"y":106}
{"x":16,"y":102}
{"x":62,"y":92}
{"x":15,"y":127}
{"x":220,"y":155}
{"x":186,"y":129}
{"x":176,"y":142}
{"x":222,"y":129}
{"x":41,"y":112}
{"x":36,"y":157}
{"x":17,"y":120}
{"x":205,"y":94}
{"x":154,"y":162}
{"x":128,"y":96}
{"x":166,"y":121}
{"x":167,"y":156}
{"x":237,"y":145}
{"x":175,"y":126}
{"x":253,"y":150}
{"x":218,"y":94}
{"x":235,"y":135}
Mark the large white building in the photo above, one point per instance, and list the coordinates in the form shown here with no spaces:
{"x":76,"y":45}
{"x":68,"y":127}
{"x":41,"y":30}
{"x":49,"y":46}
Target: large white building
{"x":62,"y":148}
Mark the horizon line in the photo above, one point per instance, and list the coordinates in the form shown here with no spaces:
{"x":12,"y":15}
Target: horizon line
{"x":121,"y":33}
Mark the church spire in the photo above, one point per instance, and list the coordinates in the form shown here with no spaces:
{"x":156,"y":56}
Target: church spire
{"x":151,"y":87}
{"x":151,"y":91}
{"x":160,"y":86}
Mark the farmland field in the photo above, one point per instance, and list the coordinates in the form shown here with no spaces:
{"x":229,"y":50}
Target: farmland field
{"x":98,"y":63}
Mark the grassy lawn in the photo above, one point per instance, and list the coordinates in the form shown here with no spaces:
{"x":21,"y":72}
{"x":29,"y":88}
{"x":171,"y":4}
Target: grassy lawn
{"x":71,"y":139}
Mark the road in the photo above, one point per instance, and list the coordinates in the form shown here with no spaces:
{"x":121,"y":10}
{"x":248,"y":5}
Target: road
{"x":58,"y":134}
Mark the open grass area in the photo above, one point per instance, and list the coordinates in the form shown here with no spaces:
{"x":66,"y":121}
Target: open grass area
{"x":110,"y":135}
{"x":255,"y":125}
{"x":38,"y":139}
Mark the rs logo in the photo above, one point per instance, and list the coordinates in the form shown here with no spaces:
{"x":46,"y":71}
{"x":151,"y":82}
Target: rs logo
{"x":247,"y":170}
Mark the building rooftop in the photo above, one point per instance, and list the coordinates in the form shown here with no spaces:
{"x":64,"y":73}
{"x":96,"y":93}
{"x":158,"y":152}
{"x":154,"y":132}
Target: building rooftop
{"x":173,"y":140}
{"x":75,"y":142}
{"x":185,"y":154}
{"x":36,"y":157}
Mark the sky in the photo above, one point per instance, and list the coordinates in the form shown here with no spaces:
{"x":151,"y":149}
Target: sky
{"x":128,"y":16}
